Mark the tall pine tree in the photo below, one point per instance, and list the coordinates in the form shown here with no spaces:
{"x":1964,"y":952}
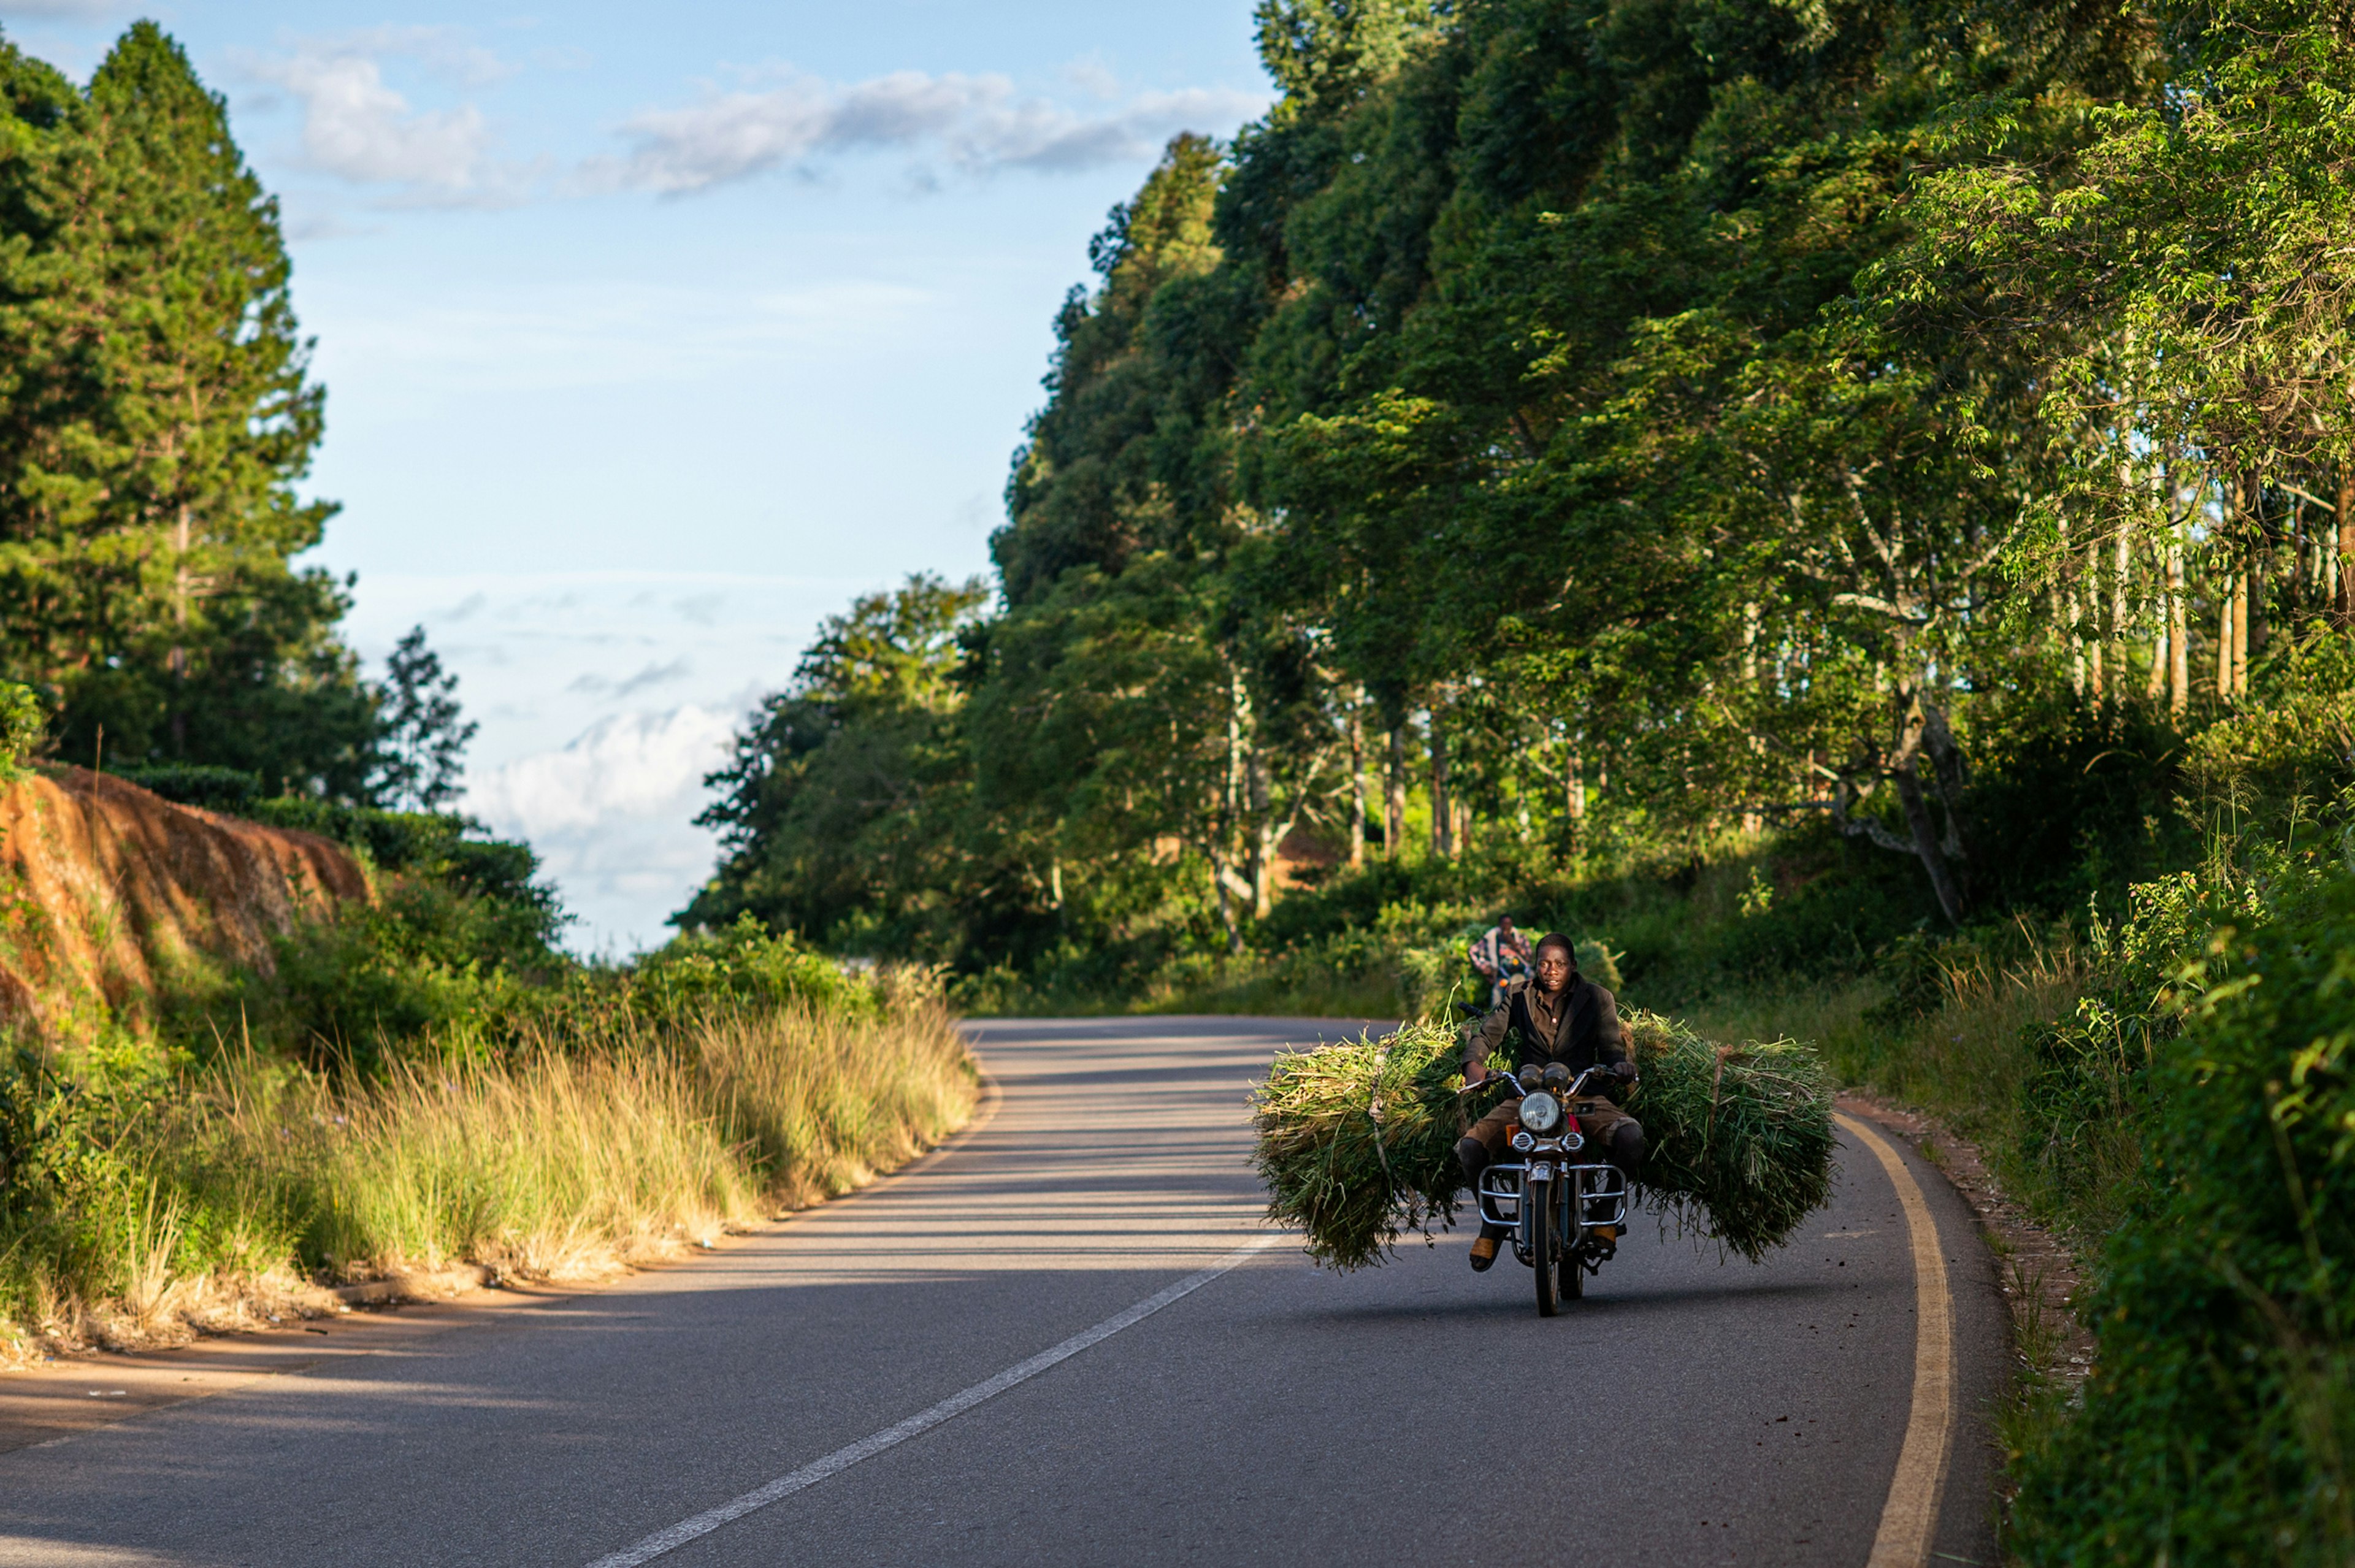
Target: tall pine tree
{"x":159,"y":416}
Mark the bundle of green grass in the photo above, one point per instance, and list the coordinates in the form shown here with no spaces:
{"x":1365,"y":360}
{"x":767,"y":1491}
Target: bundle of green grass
{"x":1357,"y":1141}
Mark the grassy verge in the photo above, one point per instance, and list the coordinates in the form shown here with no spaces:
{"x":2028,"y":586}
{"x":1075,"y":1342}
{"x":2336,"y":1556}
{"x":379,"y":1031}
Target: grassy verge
{"x":146,"y":1212}
{"x":427,"y":1080}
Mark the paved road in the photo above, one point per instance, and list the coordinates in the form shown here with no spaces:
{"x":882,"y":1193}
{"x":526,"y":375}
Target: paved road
{"x":1687,"y":1412}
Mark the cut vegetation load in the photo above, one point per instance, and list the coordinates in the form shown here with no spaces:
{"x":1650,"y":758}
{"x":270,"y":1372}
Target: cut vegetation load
{"x":1357,"y":1141}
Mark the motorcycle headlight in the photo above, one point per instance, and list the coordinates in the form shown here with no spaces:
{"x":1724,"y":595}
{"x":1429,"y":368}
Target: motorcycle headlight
{"x":1541,"y":1111}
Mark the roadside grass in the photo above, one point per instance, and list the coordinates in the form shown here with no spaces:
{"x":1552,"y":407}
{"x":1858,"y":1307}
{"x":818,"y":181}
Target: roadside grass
{"x":593,"y":1144}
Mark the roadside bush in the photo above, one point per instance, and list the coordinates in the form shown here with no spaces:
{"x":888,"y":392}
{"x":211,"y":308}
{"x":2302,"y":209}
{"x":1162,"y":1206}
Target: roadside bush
{"x":2072,"y":800}
{"x":232,"y":790}
{"x":2292,"y":749}
{"x":2221,"y":1424}
{"x":23,"y":728}
{"x":596,"y":1139}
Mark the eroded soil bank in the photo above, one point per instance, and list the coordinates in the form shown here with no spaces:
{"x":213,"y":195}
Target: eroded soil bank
{"x":107,"y":890}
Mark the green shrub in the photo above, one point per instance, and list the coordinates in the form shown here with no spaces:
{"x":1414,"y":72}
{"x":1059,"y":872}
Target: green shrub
{"x":2220,"y":1426}
{"x":23,"y":728}
{"x":2293,"y":747}
{"x":52,"y":1156}
{"x":232,"y":790}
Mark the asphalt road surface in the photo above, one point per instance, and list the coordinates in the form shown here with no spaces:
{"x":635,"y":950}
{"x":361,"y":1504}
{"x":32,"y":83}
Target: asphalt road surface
{"x":1687,"y":1412}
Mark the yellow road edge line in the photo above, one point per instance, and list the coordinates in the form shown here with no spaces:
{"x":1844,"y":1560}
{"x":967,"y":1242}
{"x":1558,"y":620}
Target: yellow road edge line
{"x":1910,"y":1518}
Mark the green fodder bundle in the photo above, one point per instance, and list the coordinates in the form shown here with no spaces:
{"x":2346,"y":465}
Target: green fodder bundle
{"x":1357,"y":1141}
{"x":1739,"y":1138}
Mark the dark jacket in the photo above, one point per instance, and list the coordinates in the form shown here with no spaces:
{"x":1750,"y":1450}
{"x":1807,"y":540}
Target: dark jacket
{"x":1586,"y":1031}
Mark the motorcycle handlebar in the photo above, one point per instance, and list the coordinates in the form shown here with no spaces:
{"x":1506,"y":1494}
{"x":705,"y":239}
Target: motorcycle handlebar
{"x":1577,"y":1084}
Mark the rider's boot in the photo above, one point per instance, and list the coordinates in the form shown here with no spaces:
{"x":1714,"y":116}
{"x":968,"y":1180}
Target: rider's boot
{"x":1473,"y":1155}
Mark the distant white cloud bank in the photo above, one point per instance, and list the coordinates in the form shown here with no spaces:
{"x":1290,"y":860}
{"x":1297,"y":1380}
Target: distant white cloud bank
{"x":611,"y":816}
{"x":975,"y":123}
{"x":359,"y":128}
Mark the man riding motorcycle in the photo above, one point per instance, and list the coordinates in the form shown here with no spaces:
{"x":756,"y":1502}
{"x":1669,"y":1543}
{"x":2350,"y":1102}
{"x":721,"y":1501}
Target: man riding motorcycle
{"x":1558,"y":1016}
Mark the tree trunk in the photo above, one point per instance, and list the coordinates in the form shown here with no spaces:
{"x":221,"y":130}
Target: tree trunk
{"x":2241,"y":633}
{"x":2122,"y":564}
{"x":1947,"y":772}
{"x":2066,"y":611}
{"x":1394,"y":798}
{"x":1265,"y":836}
{"x":2346,"y":604}
{"x":1443,"y":807}
{"x":179,"y":659}
{"x":1925,"y":841}
{"x":1357,"y":787}
{"x":1222,"y":870}
{"x":1224,"y":881}
{"x":2256,"y":608}
{"x":1915,"y":723}
{"x":1574,"y":802}
{"x":2095,"y":634}
{"x":2224,"y":637}
{"x":2178,"y":655}
{"x":1752,"y":822}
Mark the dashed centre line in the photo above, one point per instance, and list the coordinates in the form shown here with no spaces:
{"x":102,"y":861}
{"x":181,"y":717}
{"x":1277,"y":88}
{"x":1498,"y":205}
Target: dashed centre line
{"x":664,"y":1541}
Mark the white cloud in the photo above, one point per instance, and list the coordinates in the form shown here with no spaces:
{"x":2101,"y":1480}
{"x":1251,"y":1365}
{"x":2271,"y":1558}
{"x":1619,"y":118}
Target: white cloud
{"x":978,"y":124}
{"x":611,"y":816}
{"x":1093,"y":76}
{"x":447,"y":51}
{"x":631,"y":765}
{"x":357,"y":127}
{"x":651,"y":676}
{"x":360,"y":127}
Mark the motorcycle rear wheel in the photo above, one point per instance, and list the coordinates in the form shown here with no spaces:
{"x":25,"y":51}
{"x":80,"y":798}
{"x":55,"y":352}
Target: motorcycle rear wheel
{"x":1545,"y":1247}
{"x":1574,"y":1275}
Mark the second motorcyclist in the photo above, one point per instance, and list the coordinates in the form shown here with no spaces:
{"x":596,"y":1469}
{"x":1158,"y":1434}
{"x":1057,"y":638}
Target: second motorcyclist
{"x":1561,"y":1016}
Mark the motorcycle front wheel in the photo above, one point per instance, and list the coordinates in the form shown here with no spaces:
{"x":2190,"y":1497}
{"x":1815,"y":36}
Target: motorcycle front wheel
{"x":1545,"y":1247}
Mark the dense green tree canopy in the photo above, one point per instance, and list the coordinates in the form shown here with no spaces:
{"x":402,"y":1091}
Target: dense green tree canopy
{"x":1567,"y":427}
{"x":157,"y":416}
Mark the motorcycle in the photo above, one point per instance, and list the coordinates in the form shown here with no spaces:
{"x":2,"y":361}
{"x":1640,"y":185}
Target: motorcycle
{"x":1565,"y":1217}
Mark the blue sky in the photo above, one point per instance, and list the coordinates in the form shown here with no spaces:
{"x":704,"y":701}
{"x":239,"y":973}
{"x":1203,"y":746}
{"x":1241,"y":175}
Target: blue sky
{"x":651,"y":337}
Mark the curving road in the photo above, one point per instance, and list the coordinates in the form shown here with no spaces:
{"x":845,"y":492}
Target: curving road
{"x":990,"y":1359}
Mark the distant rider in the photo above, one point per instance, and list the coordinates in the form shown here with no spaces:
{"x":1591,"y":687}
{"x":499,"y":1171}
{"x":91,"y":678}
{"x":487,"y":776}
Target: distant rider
{"x":1559,"y":1016}
{"x":1501,"y":954}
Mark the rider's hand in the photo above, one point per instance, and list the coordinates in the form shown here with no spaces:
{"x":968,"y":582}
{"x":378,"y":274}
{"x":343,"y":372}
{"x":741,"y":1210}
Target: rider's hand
{"x":1624,"y":1071}
{"x":1474,"y":1072}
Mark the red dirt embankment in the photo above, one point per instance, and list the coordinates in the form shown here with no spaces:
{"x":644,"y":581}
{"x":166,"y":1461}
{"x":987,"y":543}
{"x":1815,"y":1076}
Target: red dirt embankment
{"x":106,"y":888}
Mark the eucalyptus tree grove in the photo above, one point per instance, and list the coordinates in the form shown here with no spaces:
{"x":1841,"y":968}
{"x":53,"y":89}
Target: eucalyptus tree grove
{"x":1563,"y":427}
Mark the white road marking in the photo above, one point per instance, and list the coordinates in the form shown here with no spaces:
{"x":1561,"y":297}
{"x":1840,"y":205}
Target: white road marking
{"x":957,"y":1404}
{"x":1910,"y":1516}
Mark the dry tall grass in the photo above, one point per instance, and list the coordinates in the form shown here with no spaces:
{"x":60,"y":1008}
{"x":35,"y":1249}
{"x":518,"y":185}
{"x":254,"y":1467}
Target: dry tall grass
{"x":1965,"y":1056}
{"x":584,"y":1153}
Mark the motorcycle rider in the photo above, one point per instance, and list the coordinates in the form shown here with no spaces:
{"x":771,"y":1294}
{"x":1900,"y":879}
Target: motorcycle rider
{"x":1556,"y":1016}
{"x":1501,"y":955}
